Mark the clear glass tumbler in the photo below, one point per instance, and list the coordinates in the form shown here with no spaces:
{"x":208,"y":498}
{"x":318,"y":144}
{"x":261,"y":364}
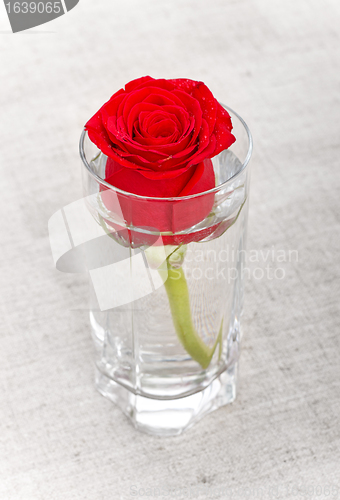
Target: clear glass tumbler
{"x":166,"y":287}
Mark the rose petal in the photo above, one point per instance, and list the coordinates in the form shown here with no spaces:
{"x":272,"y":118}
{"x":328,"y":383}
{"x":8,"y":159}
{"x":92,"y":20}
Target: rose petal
{"x":208,"y":104}
{"x":186,"y":213}
{"x":184,"y":84}
{"x":133,"y":181}
{"x":202,"y":180}
{"x":193,"y":108}
{"x":159,"y":83}
{"x":98,"y":134}
{"x":138,"y":96}
{"x":222,"y":132}
{"x":137,"y":83}
{"x":161,"y":215}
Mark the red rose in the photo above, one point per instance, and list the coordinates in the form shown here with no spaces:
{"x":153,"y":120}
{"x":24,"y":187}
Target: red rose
{"x":159,"y":136}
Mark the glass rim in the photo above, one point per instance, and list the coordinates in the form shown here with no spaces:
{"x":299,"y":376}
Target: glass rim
{"x":172,"y":198}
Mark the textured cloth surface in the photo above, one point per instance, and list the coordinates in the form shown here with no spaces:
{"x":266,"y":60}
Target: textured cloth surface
{"x":277,"y":64}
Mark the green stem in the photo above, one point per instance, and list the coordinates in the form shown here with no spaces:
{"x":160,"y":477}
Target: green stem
{"x":178,"y":294}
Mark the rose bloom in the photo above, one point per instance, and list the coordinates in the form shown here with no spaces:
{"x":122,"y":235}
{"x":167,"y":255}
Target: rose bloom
{"x":159,"y":136}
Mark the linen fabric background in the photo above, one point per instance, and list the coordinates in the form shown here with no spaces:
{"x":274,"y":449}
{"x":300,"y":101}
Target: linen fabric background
{"x":277,"y":64}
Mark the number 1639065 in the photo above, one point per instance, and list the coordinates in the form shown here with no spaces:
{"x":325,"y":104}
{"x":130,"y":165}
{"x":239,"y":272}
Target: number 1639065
{"x":33,"y":7}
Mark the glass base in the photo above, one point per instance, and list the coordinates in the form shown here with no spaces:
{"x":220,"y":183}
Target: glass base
{"x":170,"y":417}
